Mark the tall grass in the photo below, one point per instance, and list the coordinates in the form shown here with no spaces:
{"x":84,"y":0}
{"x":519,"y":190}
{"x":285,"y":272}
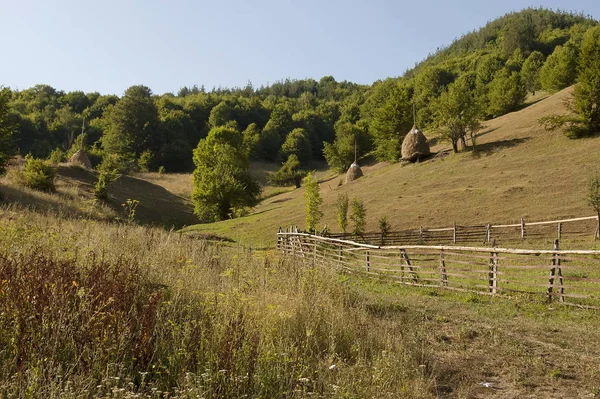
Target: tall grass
{"x":89,"y":309}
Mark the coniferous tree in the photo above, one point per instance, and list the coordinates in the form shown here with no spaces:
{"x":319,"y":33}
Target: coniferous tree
{"x":298,"y":143}
{"x":341,"y":206}
{"x":289,"y":173}
{"x":312,"y":201}
{"x":358,"y":216}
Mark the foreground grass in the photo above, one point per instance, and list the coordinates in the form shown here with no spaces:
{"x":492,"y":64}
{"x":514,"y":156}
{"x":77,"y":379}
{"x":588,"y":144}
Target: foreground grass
{"x":89,"y":309}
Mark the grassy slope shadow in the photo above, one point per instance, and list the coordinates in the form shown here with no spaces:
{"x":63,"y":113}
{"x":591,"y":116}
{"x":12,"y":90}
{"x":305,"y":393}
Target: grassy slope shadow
{"x":157,"y":206}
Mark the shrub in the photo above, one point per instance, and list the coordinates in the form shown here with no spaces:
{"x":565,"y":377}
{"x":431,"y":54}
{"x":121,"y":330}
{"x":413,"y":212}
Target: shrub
{"x":145,"y":161}
{"x":106,"y":178}
{"x":358,"y":216}
{"x":57,"y":156}
{"x":38,"y":175}
{"x":384,"y":228}
{"x":289,"y":173}
{"x":312,"y":201}
{"x":341,"y":207}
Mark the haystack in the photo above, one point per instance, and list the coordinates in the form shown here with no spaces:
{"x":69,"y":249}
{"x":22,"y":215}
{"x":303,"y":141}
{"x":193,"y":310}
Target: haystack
{"x":80,"y":158}
{"x":354,"y":172}
{"x":415,"y":145}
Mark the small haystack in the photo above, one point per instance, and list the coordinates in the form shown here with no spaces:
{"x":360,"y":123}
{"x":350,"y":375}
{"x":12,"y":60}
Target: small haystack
{"x":80,"y":158}
{"x":415,"y":145}
{"x":354,"y":172}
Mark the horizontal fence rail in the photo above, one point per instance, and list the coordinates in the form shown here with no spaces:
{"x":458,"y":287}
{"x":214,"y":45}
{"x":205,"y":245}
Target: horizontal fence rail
{"x":574,"y":228}
{"x":567,"y":276}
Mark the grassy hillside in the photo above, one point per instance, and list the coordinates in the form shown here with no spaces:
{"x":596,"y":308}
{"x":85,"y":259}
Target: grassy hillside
{"x":519,"y":170}
{"x":162,"y":199}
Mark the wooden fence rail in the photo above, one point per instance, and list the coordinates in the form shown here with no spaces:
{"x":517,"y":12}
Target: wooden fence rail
{"x":568,"y":276}
{"x":484,"y":234}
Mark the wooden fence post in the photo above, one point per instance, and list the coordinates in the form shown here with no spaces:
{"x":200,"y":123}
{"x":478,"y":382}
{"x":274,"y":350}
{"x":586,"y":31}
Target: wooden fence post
{"x":368,"y":261}
{"x":559,"y":232}
{"x":556,"y":274}
{"x":279,"y":238}
{"x":314,"y":250}
{"x":488,"y":233}
{"x":407,"y":263}
{"x":401,"y":258}
{"x":597,"y":235}
{"x":522,"y":229}
{"x":493,"y":274}
{"x":443,"y":274}
{"x":421,"y":233}
{"x":454,"y":233}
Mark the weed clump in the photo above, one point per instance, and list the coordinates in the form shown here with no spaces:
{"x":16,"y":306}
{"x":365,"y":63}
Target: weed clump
{"x":37,"y":175}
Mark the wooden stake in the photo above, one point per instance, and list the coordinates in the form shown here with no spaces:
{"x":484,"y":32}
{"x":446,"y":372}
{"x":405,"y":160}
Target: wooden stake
{"x":493,"y":274}
{"x":368,"y":261}
{"x":454,"y":233}
{"x":443,"y":273}
{"x":522,"y":229}
{"x":556,"y":274}
{"x":559,"y":232}
{"x":407,"y":263}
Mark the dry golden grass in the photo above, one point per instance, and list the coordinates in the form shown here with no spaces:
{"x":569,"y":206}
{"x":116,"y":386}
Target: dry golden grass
{"x":75,"y":196}
{"x":158,"y":311}
{"x":177,"y":183}
{"x":519,"y":170}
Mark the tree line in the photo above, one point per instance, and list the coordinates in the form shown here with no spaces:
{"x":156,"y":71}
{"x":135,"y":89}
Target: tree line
{"x":482,"y":75}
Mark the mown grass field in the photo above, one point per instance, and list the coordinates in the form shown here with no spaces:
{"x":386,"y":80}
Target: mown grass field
{"x":519,"y":170}
{"x":96,"y":309}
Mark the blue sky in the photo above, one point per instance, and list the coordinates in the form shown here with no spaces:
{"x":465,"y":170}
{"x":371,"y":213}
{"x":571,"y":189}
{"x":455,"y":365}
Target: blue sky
{"x":109,"y":45}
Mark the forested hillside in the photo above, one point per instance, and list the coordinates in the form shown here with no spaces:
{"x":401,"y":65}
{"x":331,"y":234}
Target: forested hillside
{"x":484,"y":74}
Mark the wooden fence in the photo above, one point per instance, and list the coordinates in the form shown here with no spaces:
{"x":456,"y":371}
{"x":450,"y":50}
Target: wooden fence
{"x":570,"y":277}
{"x":575,"y":228}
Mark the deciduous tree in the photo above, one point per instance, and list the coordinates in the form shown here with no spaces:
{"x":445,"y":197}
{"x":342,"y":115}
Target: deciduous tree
{"x":222,"y":184}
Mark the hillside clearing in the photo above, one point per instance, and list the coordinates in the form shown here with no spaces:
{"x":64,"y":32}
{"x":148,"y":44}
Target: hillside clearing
{"x":519,"y":170}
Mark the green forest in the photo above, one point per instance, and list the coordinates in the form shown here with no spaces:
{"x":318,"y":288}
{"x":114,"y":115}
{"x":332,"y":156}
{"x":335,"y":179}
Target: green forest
{"x":215,"y":133}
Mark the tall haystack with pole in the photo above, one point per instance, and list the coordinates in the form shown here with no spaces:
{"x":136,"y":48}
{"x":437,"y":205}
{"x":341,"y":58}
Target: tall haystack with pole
{"x":415,"y":145}
{"x":80,"y":157}
{"x":354,"y":172}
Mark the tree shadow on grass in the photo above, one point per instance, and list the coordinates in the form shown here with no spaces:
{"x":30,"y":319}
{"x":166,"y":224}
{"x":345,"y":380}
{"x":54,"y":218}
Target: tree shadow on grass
{"x":495,"y":146}
{"x":53,"y":203}
{"x":157,"y":206}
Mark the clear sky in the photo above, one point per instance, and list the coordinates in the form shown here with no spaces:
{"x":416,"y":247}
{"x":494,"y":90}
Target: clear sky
{"x":109,"y":45}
